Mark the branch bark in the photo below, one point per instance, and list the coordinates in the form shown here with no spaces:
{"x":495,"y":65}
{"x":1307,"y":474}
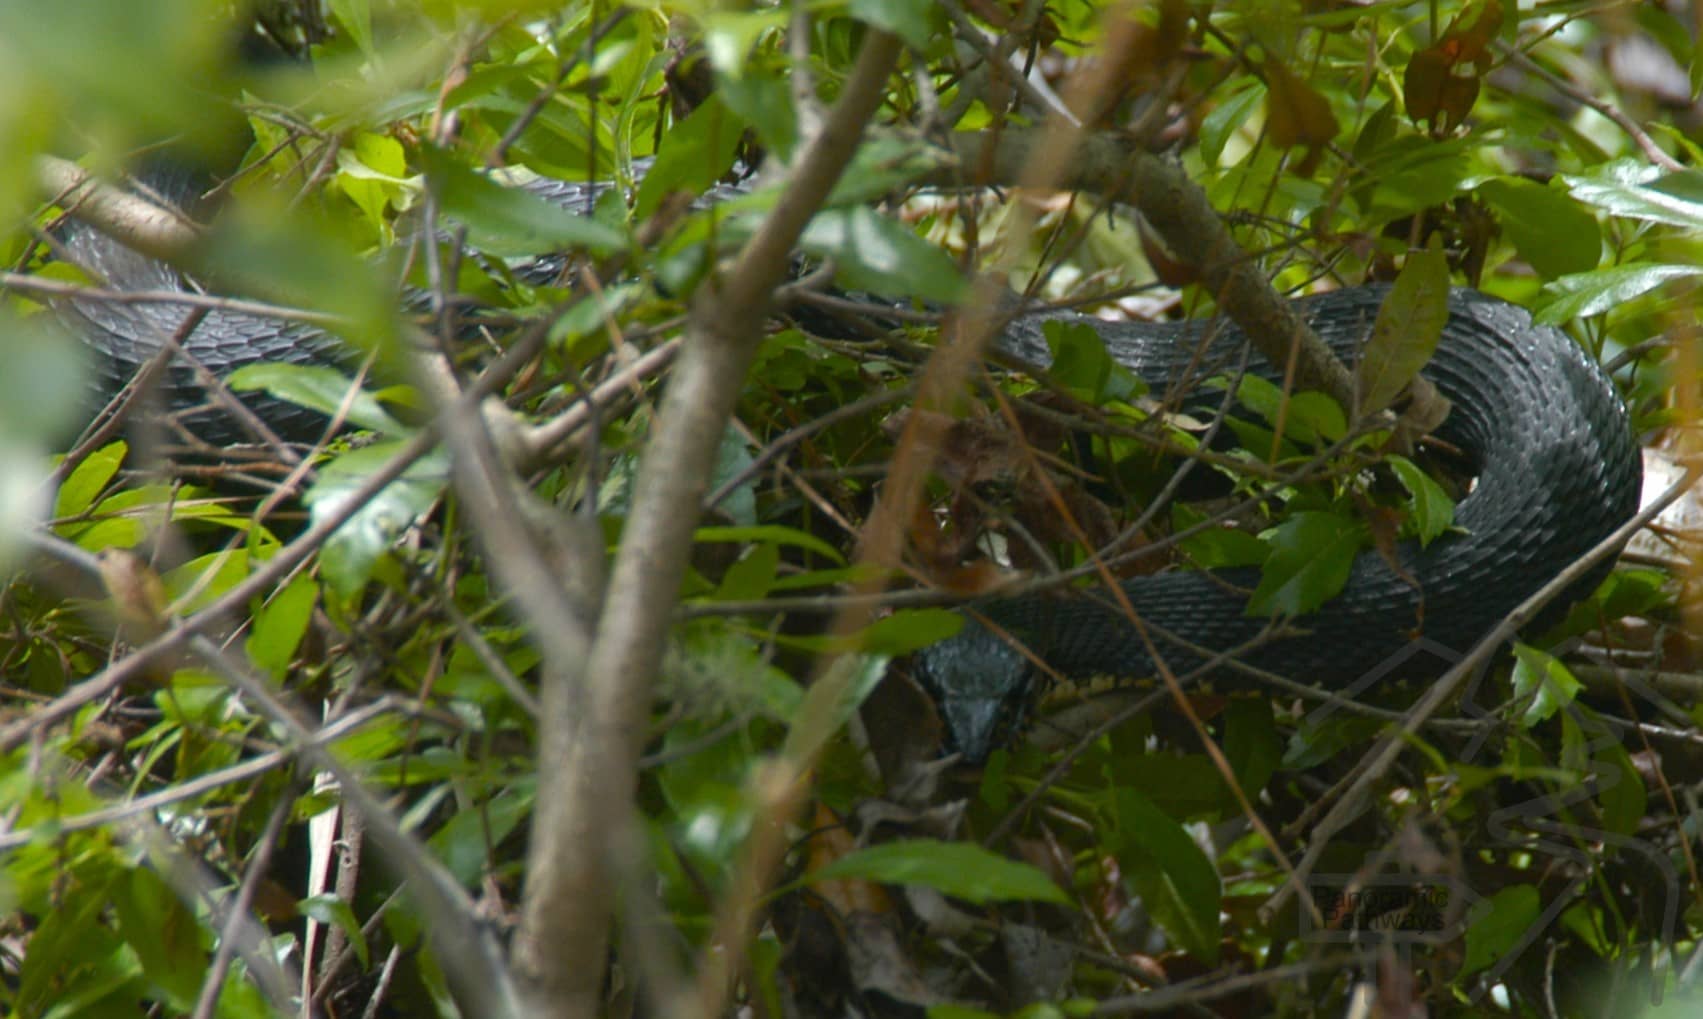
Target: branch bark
{"x":1179,"y":212}
{"x":593,"y":729}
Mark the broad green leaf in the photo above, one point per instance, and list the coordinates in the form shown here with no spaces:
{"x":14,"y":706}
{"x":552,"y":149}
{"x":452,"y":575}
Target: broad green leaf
{"x":164,"y":935}
{"x":910,"y":20}
{"x":1311,"y":554}
{"x":280,"y":625}
{"x":1430,"y":509}
{"x":1177,"y":883}
{"x":1307,"y":417}
{"x":1498,"y":928}
{"x":510,"y":221}
{"x":79,"y":491}
{"x":729,"y":36}
{"x":874,"y":253}
{"x":43,"y":389}
{"x":1636,"y":190}
{"x":316,"y":387}
{"x":906,"y":630}
{"x":464,"y":843}
{"x":1551,"y":231}
{"x":696,"y":153}
{"x":1227,"y":118}
{"x":356,"y":18}
{"x":1620,"y":789}
{"x":751,"y":576}
{"x":1083,"y":365}
{"x":1593,"y":293}
{"x":763,"y":100}
{"x":1217,"y":547}
{"x":1251,"y":743}
{"x":351,"y":553}
{"x":1541,"y":683}
{"x":959,"y":869}
{"x":1405,"y":335}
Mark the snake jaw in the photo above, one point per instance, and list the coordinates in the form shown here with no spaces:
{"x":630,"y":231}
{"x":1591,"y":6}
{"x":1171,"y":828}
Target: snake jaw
{"x":983,"y":687}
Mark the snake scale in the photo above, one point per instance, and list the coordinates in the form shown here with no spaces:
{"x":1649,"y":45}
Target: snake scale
{"x":1549,"y":440}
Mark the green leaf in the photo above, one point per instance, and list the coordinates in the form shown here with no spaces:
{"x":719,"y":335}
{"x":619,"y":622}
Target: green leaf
{"x":729,"y":36}
{"x":1542,"y":683}
{"x":907,"y":19}
{"x":696,"y":153}
{"x":1430,"y":509}
{"x":281,"y":624}
{"x":164,"y":935}
{"x":356,"y":18}
{"x":1227,"y":118}
{"x":1311,"y":554}
{"x":510,"y":221}
{"x":42,"y":390}
{"x":1217,"y":547}
{"x":775,"y":533}
{"x":1251,"y":744}
{"x":1307,"y":417}
{"x":1501,"y":923}
{"x":763,"y":100}
{"x":1633,"y":189}
{"x":1551,"y":231}
{"x":1592,"y":293}
{"x":909,"y":629}
{"x":316,"y":387}
{"x":1083,"y":365}
{"x":334,"y":912}
{"x":85,"y":484}
{"x":751,"y":576}
{"x":872,"y":252}
{"x":350,"y":554}
{"x":1405,"y":335}
{"x":1620,"y":789}
{"x":959,"y":869}
{"x":1177,"y":883}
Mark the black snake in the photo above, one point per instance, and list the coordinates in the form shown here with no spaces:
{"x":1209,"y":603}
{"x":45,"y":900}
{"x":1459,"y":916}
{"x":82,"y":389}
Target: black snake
{"x":1557,"y":470}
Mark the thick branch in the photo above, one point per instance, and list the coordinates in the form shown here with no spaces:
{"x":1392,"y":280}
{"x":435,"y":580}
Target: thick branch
{"x":1188,"y":224}
{"x":154,"y":230}
{"x":587,"y":769}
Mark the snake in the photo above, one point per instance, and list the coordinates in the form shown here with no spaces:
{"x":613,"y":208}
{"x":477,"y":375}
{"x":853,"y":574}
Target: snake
{"x":1542,"y":427}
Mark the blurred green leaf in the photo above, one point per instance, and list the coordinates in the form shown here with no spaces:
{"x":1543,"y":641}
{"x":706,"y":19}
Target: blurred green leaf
{"x":1497,"y":926}
{"x":280,"y":625}
{"x":874,"y":253}
{"x":511,"y":221}
{"x":959,"y":869}
{"x":1177,"y":883}
{"x":316,"y":387}
{"x":698,"y":152}
{"x":80,"y":489}
{"x":910,"y":20}
{"x":350,"y":554}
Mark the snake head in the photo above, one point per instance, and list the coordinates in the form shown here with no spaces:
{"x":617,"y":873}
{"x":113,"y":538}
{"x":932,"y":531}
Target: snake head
{"x":982,"y":685}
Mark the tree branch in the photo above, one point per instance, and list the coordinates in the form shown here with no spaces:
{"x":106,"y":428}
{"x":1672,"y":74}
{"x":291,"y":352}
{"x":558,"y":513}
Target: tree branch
{"x":593,"y":730}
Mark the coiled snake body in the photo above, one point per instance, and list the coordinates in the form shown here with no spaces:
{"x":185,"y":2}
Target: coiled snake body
{"x":1557,"y":470}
